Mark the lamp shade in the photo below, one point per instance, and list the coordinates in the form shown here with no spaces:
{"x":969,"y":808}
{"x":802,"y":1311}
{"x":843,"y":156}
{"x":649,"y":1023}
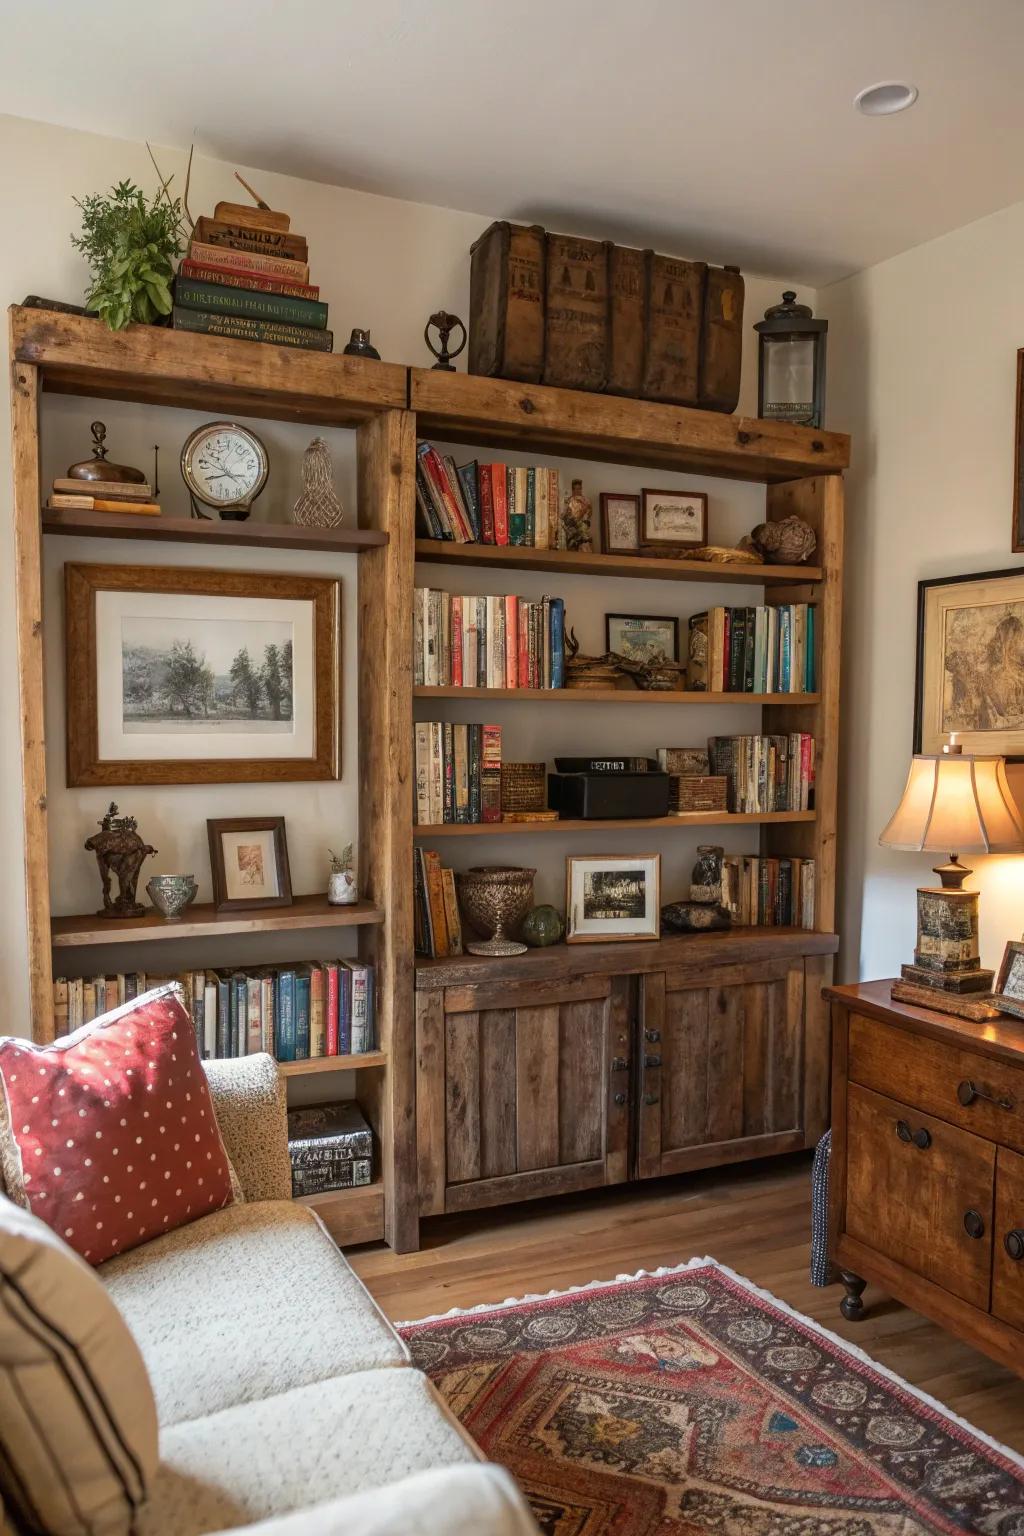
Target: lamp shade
{"x":956,"y":803}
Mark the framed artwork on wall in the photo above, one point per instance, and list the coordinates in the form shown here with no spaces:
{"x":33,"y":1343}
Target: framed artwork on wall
{"x":187,"y":676}
{"x":970,"y":663}
{"x":249,"y":863}
{"x":612,"y":898}
{"x":673,"y":519}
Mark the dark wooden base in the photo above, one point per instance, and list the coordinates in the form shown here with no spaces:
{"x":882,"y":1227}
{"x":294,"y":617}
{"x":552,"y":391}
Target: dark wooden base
{"x":851,"y":1306}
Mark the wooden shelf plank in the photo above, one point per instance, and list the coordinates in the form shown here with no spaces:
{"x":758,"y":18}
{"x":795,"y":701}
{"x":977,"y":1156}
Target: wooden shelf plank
{"x":463,"y":408}
{"x":201,"y":921}
{"x":689,"y":819}
{"x":644,"y":567}
{"x":350,"y":1215}
{"x":189,"y":530}
{"x":613,"y":696}
{"x":333,"y":1064}
{"x":154,"y":365}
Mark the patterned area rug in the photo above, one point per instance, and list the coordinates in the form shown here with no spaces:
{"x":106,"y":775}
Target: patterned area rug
{"x":687,"y":1402}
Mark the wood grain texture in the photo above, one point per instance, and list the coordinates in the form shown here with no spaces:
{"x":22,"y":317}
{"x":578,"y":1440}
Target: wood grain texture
{"x":78,"y":355}
{"x":536,"y":1185}
{"x":646,"y":567}
{"x":529,"y":992}
{"x":202,"y":921}
{"x":1001,"y":1040}
{"x":1007,"y":1265}
{"x":430,"y":1103}
{"x":462,"y":1097}
{"x":80,"y":524}
{"x":648,"y":1075}
{"x":817,"y":1045}
{"x":619,"y":1047}
{"x":465,"y":408}
{"x":31,"y":693}
{"x":568,"y":824}
{"x":312,"y":1065}
{"x":351,"y":1216}
{"x":581,"y":1078}
{"x":614,"y":696}
{"x":498,"y":1092}
{"x":537,"y":1083}
{"x":685,"y":1073}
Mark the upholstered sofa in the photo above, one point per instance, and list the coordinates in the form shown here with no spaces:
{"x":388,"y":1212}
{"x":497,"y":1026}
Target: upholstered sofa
{"x":286,"y":1402}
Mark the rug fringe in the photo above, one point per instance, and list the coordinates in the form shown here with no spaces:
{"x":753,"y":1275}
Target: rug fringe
{"x":844,"y":1345}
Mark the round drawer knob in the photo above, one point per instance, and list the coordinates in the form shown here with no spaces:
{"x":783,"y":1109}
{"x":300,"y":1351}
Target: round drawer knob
{"x":974,"y":1226}
{"x":1013,"y":1242}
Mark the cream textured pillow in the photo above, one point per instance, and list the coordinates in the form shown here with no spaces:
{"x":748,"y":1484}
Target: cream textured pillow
{"x":78,"y":1425}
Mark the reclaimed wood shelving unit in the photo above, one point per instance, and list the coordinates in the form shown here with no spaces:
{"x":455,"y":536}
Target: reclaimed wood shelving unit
{"x":494,"y":1080}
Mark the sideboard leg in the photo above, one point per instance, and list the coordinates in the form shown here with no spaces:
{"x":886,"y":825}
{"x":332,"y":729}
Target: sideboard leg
{"x":851,"y":1305}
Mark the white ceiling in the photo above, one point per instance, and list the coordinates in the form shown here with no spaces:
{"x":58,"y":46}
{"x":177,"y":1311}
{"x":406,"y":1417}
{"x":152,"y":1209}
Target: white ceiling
{"x":721,"y":129}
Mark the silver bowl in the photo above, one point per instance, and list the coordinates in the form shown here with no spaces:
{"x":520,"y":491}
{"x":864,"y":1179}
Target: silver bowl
{"x":171,"y":894}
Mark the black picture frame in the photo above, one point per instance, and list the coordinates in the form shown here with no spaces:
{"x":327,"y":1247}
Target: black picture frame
{"x":274,"y":824}
{"x":923,"y":588}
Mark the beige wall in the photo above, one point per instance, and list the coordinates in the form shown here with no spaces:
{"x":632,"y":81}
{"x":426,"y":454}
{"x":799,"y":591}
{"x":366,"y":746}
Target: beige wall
{"x":381,"y":263}
{"x":922,"y":353}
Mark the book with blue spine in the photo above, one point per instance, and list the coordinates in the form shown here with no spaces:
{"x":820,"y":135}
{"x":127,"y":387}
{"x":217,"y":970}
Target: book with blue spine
{"x":239,"y":1013}
{"x":469,"y":481}
{"x":557,"y":642}
{"x":285,"y":1016}
{"x":344,"y":1009}
{"x":302,"y":1004}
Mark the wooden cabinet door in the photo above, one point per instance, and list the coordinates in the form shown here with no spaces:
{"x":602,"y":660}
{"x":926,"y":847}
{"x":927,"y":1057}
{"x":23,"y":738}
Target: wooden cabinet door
{"x":921,"y":1192}
{"x":1008,"y":1239}
{"x":523,"y":1090}
{"x":720,"y":1076}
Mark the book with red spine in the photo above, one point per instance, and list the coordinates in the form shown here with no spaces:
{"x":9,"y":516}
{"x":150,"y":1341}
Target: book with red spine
{"x":511,"y":641}
{"x":241,"y":277}
{"x":806,"y":771}
{"x":490,"y":773}
{"x":523,"y":660}
{"x":499,"y":487}
{"x":456,"y":643}
{"x":266,"y":264}
{"x":331,"y":969}
{"x":486,"y":504}
{"x":456,"y":516}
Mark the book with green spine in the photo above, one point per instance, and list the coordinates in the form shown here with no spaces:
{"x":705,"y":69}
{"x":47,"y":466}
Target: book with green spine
{"x":242,"y":328}
{"x":225,"y":299}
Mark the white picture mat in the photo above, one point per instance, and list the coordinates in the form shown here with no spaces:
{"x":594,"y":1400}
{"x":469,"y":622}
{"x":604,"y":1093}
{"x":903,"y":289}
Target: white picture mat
{"x":235,"y":887}
{"x":117,"y":745}
{"x":578,"y":924}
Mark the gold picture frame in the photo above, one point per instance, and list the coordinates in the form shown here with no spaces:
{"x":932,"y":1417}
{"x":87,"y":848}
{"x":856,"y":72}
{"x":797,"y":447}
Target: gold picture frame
{"x":970,"y":664}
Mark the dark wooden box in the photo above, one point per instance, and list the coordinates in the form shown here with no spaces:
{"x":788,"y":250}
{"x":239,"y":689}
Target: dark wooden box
{"x":506,"y":302}
{"x":626,"y":302}
{"x":608,"y":796}
{"x":721,"y":339}
{"x":576,"y":313}
{"x":674,"y":311}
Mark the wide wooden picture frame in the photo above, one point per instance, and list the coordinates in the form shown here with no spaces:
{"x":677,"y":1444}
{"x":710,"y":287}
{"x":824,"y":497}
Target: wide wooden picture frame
{"x":266,"y":838}
{"x":1008,"y":996}
{"x":147,"y":661}
{"x":970,"y":663}
{"x":1017,"y":531}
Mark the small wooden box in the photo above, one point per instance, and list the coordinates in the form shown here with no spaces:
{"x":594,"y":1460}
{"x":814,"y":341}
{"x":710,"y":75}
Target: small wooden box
{"x":691,"y":792}
{"x":674,"y":313}
{"x":721,"y":340}
{"x":506,"y":302}
{"x":626,"y":302}
{"x":524,"y":787}
{"x":576,"y":313}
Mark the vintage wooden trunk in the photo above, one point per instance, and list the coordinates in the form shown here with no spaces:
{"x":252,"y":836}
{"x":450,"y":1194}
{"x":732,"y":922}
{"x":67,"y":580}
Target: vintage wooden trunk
{"x":674,"y":309}
{"x":576,"y":313}
{"x":506,"y":302}
{"x":721,"y":339}
{"x":625,"y":320}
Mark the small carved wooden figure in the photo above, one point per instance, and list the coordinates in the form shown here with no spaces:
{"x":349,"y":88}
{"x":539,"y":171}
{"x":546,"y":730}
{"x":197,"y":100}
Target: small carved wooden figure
{"x":119,"y":851}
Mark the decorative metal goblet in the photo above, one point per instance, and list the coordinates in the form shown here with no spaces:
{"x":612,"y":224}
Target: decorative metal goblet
{"x":495,"y":899}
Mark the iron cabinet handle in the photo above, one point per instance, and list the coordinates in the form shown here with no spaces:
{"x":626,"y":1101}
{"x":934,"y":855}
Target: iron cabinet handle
{"x":1013,"y":1242}
{"x":619,"y":1064}
{"x":921,"y":1138}
{"x":650,"y":1098}
{"x":974,"y":1226}
{"x":967,"y":1092}
{"x":652,"y":1061}
{"x":620,"y":1098}
{"x":653,"y":1035}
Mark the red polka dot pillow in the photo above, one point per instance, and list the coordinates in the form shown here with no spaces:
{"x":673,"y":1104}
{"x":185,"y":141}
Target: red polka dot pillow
{"x":109,"y":1135}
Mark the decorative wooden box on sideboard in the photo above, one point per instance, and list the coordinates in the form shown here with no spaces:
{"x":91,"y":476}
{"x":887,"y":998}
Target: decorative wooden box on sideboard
{"x":563,"y":1069}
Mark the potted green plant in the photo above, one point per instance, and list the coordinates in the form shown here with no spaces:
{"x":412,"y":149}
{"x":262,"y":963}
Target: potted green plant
{"x":130,"y":244}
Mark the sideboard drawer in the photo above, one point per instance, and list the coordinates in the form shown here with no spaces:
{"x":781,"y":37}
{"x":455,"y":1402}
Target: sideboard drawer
{"x":972,"y":1091}
{"x":920,"y":1192}
{"x":1008,"y":1240}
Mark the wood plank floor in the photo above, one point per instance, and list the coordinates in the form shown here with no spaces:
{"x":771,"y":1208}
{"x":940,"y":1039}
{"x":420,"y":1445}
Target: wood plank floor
{"x":756,"y":1220}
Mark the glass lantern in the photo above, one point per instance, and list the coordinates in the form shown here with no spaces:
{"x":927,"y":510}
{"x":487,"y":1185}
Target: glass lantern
{"x":791,"y":364}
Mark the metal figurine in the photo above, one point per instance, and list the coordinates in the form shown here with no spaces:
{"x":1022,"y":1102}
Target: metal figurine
{"x":444,"y":324}
{"x":99,"y":467}
{"x":119,"y":851}
{"x":359,"y":345}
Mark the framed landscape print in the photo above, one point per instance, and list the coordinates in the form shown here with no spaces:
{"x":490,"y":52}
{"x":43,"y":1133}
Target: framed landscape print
{"x":673,"y":519}
{"x":613,"y":898}
{"x":642,"y":637}
{"x":620,"y":524}
{"x":970,"y":663}
{"x":182,"y":676}
{"x":249,"y":863}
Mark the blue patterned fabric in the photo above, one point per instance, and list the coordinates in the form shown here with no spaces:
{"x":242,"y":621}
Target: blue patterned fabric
{"x":821,"y":1268}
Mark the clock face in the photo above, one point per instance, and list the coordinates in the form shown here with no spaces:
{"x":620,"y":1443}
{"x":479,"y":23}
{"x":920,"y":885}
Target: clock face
{"x":224,"y":465}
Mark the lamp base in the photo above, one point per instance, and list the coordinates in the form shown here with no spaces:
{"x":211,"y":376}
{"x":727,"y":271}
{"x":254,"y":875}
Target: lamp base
{"x":964,"y":979}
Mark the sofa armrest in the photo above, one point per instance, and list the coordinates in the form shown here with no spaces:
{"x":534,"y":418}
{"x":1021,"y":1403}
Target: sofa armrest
{"x":249,"y":1100}
{"x":480,"y":1500}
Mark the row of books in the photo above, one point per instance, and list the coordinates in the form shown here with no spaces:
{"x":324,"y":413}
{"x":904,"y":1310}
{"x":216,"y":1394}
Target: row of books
{"x":478,"y":503}
{"x":458,"y":772}
{"x":487,"y":642}
{"x":246,"y":275}
{"x":330,"y":1146}
{"x":103,"y":496}
{"x":436,"y":921}
{"x":767,"y":649}
{"x":768,"y":893}
{"x":293,"y":1011}
{"x":765,"y":773}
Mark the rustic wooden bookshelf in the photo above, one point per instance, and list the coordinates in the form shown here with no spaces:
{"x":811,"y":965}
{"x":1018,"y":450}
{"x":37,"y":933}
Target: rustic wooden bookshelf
{"x":686,"y":820}
{"x":494,"y":1081}
{"x":614,"y":696}
{"x":201,"y":921}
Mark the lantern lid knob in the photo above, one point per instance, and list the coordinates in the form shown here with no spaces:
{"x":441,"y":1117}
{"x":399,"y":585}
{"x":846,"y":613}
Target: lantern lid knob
{"x":789,"y":309}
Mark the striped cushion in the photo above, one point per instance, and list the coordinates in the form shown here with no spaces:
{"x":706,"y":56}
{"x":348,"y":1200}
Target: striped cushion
{"x":78,"y":1426}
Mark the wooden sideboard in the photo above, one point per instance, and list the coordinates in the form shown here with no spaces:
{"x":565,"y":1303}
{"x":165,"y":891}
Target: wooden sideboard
{"x":927,"y":1165}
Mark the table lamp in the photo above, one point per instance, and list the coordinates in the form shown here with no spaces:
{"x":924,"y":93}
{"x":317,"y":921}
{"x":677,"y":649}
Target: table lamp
{"x":952,"y":800}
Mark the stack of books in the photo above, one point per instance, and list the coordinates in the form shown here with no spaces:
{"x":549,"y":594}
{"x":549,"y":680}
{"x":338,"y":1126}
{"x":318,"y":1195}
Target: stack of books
{"x":330,"y":1147}
{"x":293,"y":1011}
{"x":103,"y":496}
{"x":486,"y":503}
{"x":488,"y":642}
{"x":458,"y":772}
{"x":246,"y":275}
{"x":768,"y":893}
{"x":437,"y":924}
{"x":767,"y":649}
{"x":765,"y":773}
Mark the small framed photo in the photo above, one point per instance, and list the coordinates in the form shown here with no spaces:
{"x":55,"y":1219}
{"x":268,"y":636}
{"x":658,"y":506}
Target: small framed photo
{"x":673,"y":519}
{"x":611,"y":899}
{"x":1009,"y":993}
{"x":620,"y":524}
{"x":642,"y":637}
{"x":249,"y":863}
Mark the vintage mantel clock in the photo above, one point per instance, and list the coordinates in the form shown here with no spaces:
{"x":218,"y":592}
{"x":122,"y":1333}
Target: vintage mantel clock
{"x":225,"y":467}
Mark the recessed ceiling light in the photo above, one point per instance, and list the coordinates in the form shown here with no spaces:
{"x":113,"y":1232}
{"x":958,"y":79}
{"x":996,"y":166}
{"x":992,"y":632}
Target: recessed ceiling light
{"x":886,"y":97}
